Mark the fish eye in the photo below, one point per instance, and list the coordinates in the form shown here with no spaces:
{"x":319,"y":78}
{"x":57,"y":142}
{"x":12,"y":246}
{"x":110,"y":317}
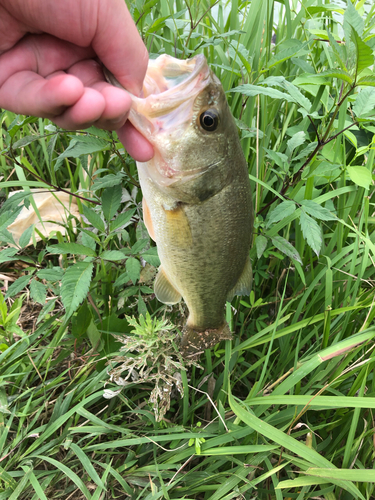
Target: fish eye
{"x":209,"y":120}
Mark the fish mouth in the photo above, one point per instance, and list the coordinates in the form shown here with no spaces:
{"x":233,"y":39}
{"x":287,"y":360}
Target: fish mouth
{"x":169,"y":91}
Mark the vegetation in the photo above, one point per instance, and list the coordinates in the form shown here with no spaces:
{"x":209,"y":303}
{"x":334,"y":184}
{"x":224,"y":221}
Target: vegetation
{"x":286,"y":409}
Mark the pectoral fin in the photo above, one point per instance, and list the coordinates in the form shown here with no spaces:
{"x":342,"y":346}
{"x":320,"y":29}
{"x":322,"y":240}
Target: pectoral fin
{"x":147,"y":219}
{"x":164,"y":290}
{"x":243,"y":285}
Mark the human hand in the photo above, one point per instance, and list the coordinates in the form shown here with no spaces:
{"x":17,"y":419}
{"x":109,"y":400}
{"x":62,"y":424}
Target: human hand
{"x":48,"y":65}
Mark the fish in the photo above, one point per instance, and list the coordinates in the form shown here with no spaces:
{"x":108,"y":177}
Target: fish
{"x":197,"y":200}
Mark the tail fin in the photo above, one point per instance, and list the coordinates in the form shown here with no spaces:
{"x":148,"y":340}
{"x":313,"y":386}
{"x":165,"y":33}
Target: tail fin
{"x":194,"y":342}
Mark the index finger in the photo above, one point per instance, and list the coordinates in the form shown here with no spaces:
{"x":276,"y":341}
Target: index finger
{"x":120,"y":46}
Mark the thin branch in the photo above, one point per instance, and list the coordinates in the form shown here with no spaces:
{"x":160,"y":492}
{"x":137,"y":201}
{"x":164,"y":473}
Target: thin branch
{"x":56,"y":188}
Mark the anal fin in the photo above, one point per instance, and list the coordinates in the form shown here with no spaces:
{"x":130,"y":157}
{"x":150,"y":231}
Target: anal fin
{"x":164,"y":290}
{"x":243,"y":285}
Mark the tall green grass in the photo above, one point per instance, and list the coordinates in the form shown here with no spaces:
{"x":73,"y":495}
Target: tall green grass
{"x":285,"y":410}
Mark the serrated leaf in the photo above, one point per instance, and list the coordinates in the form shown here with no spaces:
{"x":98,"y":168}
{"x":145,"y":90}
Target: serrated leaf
{"x":317,"y":210}
{"x":285,"y":247}
{"x":75,"y":285}
{"x":151,"y":256}
{"x":112,"y":255}
{"x":52,"y":275}
{"x":365,"y":102}
{"x":74,"y":248}
{"x":28,"y":139}
{"x":17,"y":286}
{"x":296,"y":95}
{"x":353,"y":18}
{"x":365,"y":56}
{"x":87,"y":241}
{"x":279,"y":158}
{"x":109,"y":180}
{"x":311,"y":232}
{"x":282,"y":211}
{"x":13,"y":201}
{"x":8,"y":254}
{"x":296,"y":141}
{"x":337,"y":50}
{"x":111,"y":199}
{"x":133,"y":269}
{"x":334,"y":73}
{"x":94,"y":218}
{"x":122,"y":220}
{"x":25,"y":236}
{"x":366,"y":81}
{"x":7,"y":218}
{"x":140,"y":245}
{"x":122,"y":280}
{"x":38,"y":292}
{"x":360,"y":176}
{"x":261,"y":245}
{"x":82,"y":145}
{"x":286,"y":54}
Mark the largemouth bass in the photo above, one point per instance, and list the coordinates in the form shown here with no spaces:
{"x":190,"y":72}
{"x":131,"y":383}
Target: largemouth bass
{"x":197,"y":200}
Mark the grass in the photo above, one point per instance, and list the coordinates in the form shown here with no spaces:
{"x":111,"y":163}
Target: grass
{"x":285,"y":410}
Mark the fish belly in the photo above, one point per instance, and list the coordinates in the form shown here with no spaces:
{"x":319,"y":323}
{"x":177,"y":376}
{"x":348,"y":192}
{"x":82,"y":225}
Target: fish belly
{"x":203,"y":248}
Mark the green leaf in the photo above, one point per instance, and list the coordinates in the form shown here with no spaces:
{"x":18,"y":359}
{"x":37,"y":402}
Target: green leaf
{"x":115,"y":255}
{"x":254,"y":90}
{"x":25,"y":236}
{"x":88,"y":466}
{"x":311,"y":232}
{"x":52,"y":275}
{"x":283,"y":210}
{"x":296,"y":141}
{"x":67,"y":473}
{"x":82,"y":145}
{"x":364,"y":53}
{"x":28,"y":139}
{"x":261,"y":245}
{"x":73,"y":248}
{"x":122,"y":220}
{"x":365,"y":102}
{"x":288,"y":442}
{"x":38,"y":292}
{"x":7,"y":218}
{"x":338,"y":51}
{"x":133,"y":269}
{"x":362,"y":476}
{"x":95,"y":337}
{"x":366,"y":81}
{"x":111,"y":199}
{"x":353,"y":18}
{"x":151,"y":256}
{"x":94,"y":218}
{"x":279,"y":158}
{"x":296,"y":95}
{"x":285,"y":247}
{"x":75,"y":285}
{"x":17,"y":286}
{"x":360,"y":176}
{"x":140,"y":245}
{"x":317,"y":210}
{"x":109,"y":180}
{"x":334,"y":73}
{"x":14,"y":200}
{"x":8,"y":254}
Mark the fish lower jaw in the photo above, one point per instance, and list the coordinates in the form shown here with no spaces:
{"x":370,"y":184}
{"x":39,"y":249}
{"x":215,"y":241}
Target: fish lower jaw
{"x":196,"y":340}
